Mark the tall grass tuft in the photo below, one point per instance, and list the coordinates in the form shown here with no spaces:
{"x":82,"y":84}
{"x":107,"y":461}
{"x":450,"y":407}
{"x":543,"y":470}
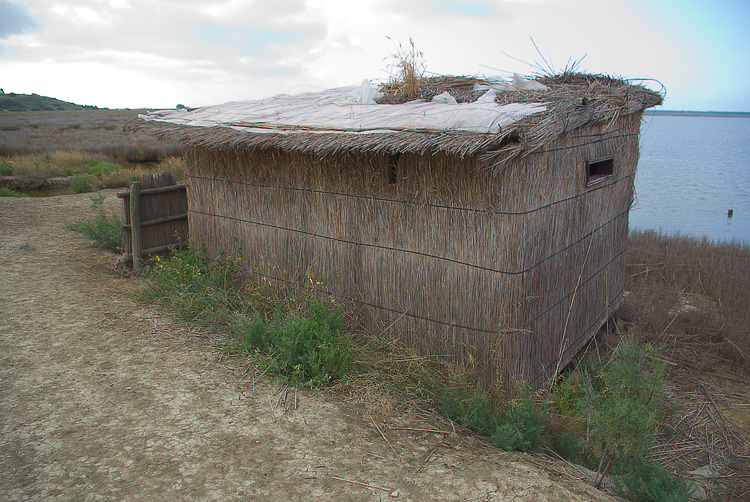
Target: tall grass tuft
{"x":304,"y":340}
{"x":82,"y":184}
{"x":7,"y":192}
{"x":195,"y":288}
{"x":103,"y":230}
{"x":60,"y":163}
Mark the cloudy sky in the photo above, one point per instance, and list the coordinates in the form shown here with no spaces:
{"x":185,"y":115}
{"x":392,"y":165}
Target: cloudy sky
{"x":158,"y":53}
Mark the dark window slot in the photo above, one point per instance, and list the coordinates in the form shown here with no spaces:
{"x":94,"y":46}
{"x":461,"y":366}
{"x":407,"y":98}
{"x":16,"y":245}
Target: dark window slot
{"x":599,"y":170}
{"x":393,"y":173}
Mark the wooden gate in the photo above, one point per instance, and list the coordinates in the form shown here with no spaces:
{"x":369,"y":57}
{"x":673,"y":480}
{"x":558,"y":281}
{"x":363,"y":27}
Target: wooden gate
{"x":155,"y":216}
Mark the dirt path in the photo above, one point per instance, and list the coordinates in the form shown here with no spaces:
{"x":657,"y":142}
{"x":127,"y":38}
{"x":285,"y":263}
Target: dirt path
{"x":103,"y":399}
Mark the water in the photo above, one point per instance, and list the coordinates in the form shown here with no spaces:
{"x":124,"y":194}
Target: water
{"x":48,"y":192}
{"x":692,"y":170}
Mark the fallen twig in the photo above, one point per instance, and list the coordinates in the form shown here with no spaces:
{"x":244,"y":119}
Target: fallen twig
{"x":418,"y":430}
{"x":362,"y":484}
{"x":261,"y":376}
{"x":386,"y":439}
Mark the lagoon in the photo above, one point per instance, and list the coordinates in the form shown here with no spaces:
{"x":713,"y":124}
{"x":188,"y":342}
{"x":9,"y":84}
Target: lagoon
{"x":692,"y":170}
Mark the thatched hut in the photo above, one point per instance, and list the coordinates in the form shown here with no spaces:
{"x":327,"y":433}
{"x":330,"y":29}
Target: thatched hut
{"x":492,"y":225}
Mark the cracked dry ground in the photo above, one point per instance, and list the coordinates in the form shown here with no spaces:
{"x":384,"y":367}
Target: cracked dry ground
{"x":102,"y":398}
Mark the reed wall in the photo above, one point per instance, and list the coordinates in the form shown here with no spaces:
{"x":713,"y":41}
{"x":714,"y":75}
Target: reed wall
{"x":511,"y":266}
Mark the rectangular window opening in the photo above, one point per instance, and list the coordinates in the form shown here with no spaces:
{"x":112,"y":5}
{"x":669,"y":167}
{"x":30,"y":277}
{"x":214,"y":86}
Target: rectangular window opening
{"x":599,"y":170}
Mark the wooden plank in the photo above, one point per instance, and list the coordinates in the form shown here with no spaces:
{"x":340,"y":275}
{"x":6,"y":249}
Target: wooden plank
{"x":166,"y":247}
{"x":152,"y":191}
{"x":135,"y":226}
{"x":128,"y":257}
{"x":157,"y":221}
{"x":164,"y":219}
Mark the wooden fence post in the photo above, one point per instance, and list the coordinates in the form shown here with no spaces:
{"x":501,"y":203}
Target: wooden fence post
{"x":135,"y":226}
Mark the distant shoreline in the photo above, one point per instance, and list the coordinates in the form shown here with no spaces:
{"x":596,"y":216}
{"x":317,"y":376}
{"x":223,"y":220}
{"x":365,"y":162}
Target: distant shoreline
{"x":697,"y":114}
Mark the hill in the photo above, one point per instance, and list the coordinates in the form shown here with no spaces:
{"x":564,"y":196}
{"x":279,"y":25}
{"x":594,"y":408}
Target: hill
{"x":12,"y":102}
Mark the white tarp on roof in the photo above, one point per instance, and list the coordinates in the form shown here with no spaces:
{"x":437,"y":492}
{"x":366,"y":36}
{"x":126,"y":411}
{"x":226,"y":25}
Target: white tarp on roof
{"x":331,"y":111}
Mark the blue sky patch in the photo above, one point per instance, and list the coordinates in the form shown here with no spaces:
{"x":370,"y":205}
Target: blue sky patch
{"x":16,"y":19}
{"x":474,"y":9}
{"x":242,"y":40}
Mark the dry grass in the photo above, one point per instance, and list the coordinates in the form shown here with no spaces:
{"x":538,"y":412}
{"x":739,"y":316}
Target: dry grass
{"x":97,"y":133}
{"x":68,"y":143}
{"x":408,"y":70}
{"x":691,"y":297}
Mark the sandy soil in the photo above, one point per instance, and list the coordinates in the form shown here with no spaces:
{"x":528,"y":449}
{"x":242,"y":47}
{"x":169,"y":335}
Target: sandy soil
{"x":102,"y":398}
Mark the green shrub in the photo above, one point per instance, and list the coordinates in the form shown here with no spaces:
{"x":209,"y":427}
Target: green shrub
{"x":254,"y":336}
{"x":647,"y":482}
{"x":102,"y":168}
{"x":622,"y":405}
{"x":7,"y":192}
{"x":569,"y":446}
{"x":521,"y":427}
{"x":105,"y":231}
{"x":82,"y":184}
{"x":472,"y":409}
{"x":568,"y":394}
{"x":6,"y":170}
{"x":313,"y":349}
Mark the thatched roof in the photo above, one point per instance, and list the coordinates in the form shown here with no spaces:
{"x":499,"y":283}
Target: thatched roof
{"x":494,"y":119}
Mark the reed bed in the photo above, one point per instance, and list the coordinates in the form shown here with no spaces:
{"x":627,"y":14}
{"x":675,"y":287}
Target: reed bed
{"x":38,"y":148}
{"x":97,"y":133}
{"x":689,"y":296}
{"x":693,"y":288}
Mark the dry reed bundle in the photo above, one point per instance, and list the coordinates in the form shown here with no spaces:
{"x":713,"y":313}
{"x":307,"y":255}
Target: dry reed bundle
{"x":461,"y":88}
{"x":410,"y":67}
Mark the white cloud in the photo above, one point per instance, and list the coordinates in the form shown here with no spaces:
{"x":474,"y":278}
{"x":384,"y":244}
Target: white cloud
{"x":80,"y":16}
{"x":198,"y":52}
